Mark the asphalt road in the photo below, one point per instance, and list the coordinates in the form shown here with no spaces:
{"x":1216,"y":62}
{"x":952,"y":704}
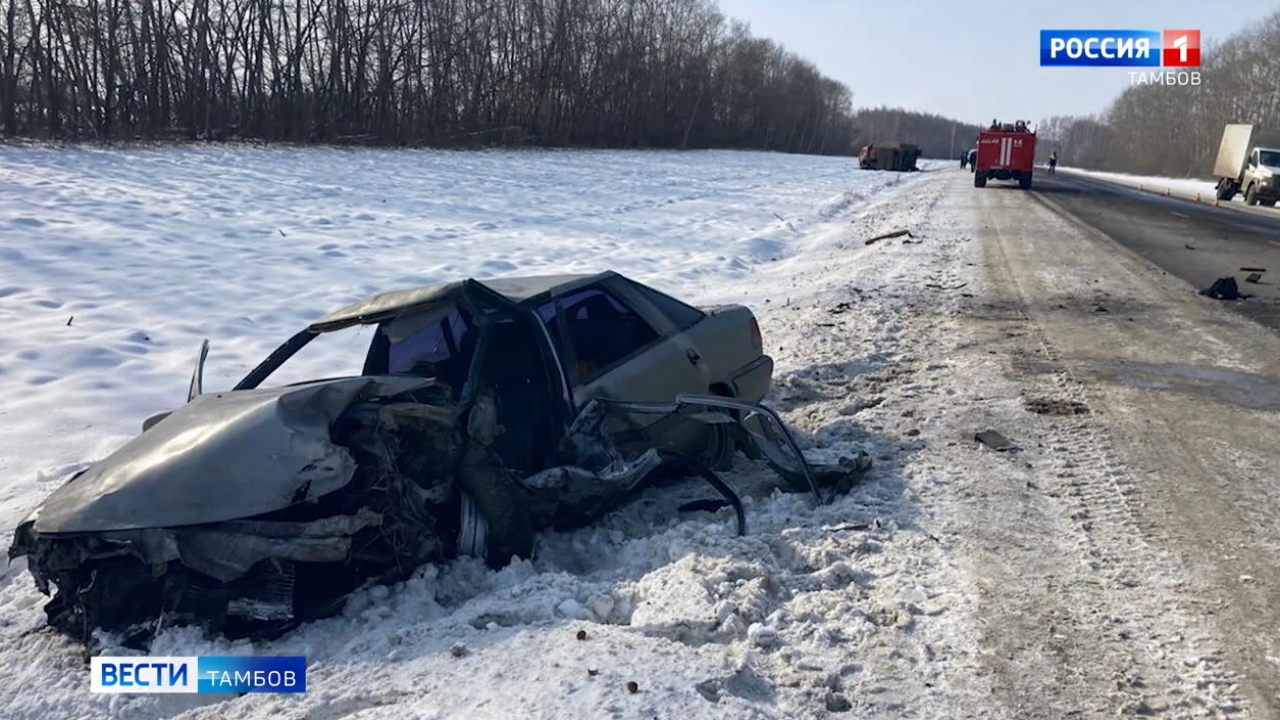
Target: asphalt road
{"x":1171,"y":472}
{"x":1194,"y":241}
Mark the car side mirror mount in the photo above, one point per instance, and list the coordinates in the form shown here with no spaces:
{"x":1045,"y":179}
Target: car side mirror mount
{"x":151,"y":421}
{"x":197,"y":376}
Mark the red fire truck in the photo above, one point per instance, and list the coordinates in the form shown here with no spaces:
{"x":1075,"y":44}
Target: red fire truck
{"x":1007,"y":153}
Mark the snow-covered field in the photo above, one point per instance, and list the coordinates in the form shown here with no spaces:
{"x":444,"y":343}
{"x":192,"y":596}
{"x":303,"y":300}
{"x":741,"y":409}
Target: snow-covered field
{"x":1190,"y":188}
{"x":118,"y":263}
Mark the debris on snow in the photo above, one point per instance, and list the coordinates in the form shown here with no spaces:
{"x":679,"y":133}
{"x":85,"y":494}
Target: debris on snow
{"x":889,"y":235}
{"x":995,"y":441}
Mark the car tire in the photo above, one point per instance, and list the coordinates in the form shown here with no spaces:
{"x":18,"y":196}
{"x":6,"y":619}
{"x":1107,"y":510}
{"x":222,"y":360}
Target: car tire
{"x":473,"y":529}
{"x":724,"y":437}
{"x":1251,"y":195}
{"x":720,"y":448}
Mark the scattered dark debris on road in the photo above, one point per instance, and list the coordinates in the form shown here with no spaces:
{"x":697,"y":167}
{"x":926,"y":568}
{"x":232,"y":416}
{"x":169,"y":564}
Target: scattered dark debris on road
{"x":996,"y":441}
{"x":1255,"y":274}
{"x":1100,"y":309}
{"x":840,"y":307}
{"x":1046,"y":406}
{"x":1224,"y":289}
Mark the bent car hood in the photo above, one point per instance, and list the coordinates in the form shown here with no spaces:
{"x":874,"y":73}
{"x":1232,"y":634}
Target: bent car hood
{"x":222,"y":456}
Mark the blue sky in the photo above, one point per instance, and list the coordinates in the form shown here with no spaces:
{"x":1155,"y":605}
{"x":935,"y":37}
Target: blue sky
{"x":974,"y":59}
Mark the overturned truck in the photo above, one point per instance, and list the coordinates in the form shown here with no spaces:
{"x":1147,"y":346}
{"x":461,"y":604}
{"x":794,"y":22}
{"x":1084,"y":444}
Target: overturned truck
{"x":252,"y":510}
{"x":898,"y":158}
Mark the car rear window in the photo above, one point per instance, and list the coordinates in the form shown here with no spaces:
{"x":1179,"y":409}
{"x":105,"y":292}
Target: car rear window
{"x":684,"y":316}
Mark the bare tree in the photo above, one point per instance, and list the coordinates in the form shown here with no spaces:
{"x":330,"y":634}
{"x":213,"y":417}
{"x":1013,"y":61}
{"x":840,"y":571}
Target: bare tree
{"x":654,"y":73}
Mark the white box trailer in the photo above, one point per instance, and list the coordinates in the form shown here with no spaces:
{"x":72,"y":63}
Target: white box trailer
{"x":1249,"y":162}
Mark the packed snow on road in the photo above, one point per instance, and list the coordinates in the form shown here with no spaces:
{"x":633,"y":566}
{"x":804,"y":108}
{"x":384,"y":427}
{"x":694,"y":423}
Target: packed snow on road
{"x":118,"y":263}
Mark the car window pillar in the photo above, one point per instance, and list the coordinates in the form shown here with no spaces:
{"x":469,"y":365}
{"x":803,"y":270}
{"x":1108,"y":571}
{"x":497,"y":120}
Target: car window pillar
{"x":569,"y":357}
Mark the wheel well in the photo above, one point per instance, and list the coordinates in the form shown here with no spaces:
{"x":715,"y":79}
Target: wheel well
{"x":723,"y":390}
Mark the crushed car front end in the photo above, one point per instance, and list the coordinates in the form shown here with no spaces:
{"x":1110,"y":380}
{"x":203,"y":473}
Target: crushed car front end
{"x":320,"y":488}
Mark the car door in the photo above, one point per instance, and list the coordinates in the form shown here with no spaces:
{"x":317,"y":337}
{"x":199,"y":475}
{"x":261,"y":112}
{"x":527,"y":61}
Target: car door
{"x":484,"y":302}
{"x":614,"y":352}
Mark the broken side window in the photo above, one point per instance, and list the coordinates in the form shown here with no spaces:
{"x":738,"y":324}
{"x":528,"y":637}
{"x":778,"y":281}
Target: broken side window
{"x":600,"y":330}
{"x":435,"y":343}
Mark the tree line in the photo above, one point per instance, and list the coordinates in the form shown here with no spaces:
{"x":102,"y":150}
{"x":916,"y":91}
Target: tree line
{"x":1174,"y":130}
{"x":586,"y":73}
{"x":937,"y":136}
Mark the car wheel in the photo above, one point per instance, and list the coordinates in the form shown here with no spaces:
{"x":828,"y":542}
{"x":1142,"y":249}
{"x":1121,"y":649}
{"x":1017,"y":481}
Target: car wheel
{"x":720,"y":447}
{"x":1251,"y":195}
{"x":473,"y":529}
{"x":723,"y":442}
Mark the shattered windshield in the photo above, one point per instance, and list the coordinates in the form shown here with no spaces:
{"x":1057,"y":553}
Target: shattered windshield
{"x":329,"y":355}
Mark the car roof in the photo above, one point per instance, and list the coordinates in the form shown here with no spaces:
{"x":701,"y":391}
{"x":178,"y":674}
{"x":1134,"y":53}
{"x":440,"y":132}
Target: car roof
{"x":402,"y":302}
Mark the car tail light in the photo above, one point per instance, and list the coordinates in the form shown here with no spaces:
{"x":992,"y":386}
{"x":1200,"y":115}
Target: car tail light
{"x":757,"y":341}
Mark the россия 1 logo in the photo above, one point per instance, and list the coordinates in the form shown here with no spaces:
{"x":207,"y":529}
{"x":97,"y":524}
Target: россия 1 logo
{"x":1126,"y":48}
{"x":1120,"y":48}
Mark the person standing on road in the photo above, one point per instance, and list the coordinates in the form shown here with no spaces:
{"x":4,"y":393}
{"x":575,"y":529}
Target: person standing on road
{"x":1053,"y":161}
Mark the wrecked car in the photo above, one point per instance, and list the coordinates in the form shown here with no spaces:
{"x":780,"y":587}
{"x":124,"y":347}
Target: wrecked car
{"x":486,"y":411}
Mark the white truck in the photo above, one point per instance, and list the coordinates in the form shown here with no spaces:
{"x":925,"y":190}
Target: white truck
{"x":1249,"y":162}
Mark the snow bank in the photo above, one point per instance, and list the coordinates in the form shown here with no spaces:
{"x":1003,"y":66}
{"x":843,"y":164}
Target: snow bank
{"x":1190,"y":188}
